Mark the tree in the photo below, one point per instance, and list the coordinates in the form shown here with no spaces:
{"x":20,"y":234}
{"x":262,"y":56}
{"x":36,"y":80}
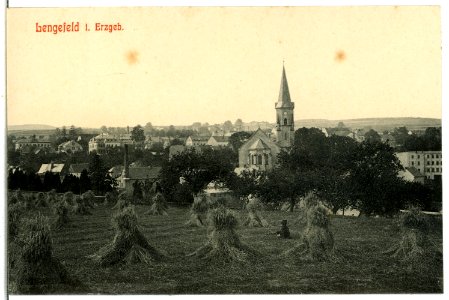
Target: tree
{"x":84,"y":182}
{"x":238,"y":124}
{"x":104,"y":129}
{"x":372,"y":136}
{"x":137,"y":134}
{"x":198,"y":169}
{"x":401,"y":135}
{"x":97,"y":174}
{"x":373,"y":182}
{"x":171,"y":131}
{"x":237,"y":139}
{"x":149,"y":128}
{"x":72,"y":133}
{"x":227,"y":126}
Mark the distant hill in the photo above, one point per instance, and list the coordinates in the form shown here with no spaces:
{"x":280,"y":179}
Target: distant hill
{"x":378,"y":124}
{"x":30,"y":127}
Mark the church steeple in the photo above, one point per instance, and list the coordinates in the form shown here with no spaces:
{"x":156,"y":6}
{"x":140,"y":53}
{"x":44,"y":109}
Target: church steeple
{"x":284,"y":115}
{"x":284,"y":94}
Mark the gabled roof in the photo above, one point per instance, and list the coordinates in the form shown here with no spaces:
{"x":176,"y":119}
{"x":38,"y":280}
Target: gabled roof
{"x":200,"y":138}
{"x":141,"y":173}
{"x":284,"y":94}
{"x":258,"y":145}
{"x":69,"y":143}
{"x":53,"y":168}
{"x":221,"y":139}
{"x":414,"y":172}
{"x":78,"y":168}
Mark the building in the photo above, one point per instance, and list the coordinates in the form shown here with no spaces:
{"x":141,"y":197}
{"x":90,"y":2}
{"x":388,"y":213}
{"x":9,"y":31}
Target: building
{"x":132,"y":174}
{"x":260,"y":151}
{"x":102,"y":142}
{"x":197,"y":140}
{"x":413,"y":175}
{"x":218,"y":141}
{"x":77,"y":169}
{"x":32,"y":143}
{"x":70,"y":147}
{"x":59,"y":169}
{"x":428,"y":163}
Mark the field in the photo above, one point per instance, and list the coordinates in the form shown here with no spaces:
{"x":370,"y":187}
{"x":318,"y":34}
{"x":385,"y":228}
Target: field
{"x":362,"y":268}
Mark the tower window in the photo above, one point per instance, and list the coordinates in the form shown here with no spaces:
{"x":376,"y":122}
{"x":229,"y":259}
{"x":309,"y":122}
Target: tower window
{"x":285,"y":121}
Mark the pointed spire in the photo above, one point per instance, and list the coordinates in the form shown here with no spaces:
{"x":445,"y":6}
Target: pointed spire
{"x":284,"y":94}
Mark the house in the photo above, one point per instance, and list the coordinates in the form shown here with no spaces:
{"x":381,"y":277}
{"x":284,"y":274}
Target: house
{"x":260,"y":150}
{"x":77,"y":169}
{"x":412,"y":174}
{"x":70,"y":147}
{"x":218,"y":141}
{"x":102,"y":142}
{"x":130,"y":175}
{"x":133,"y":174}
{"x":59,"y":169}
{"x":151,"y":141}
{"x":428,"y":163}
{"x":197,"y":140}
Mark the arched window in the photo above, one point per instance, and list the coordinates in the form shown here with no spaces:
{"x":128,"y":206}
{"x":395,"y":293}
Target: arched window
{"x":259,"y":159}
{"x":285,"y":121}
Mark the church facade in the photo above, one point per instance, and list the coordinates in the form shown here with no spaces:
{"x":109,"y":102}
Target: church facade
{"x":260,"y":151}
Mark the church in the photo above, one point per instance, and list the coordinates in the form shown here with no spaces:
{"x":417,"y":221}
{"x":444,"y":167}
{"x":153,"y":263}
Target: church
{"x":260,"y":151}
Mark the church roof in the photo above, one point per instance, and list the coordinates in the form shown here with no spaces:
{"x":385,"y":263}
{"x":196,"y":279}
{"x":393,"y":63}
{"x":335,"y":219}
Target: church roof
{"x":258,"y":145}
{"x":284,"y":94}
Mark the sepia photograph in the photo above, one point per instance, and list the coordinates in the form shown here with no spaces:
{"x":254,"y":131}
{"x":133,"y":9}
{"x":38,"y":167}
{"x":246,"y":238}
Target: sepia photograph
{"x":189,"y":150}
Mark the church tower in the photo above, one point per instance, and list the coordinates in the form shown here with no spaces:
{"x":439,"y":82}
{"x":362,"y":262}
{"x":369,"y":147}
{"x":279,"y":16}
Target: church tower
{"x":285,"y":131}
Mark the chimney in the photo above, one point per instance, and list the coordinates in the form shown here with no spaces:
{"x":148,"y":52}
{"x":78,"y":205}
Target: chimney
{"x":125,"y":163}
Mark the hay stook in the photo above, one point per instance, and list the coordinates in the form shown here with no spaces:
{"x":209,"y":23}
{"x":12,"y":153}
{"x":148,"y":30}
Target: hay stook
{"x":254,"y":218}
{"x":317,"y":241}
{"x":159,"y":206}
{"x":224,"y":245}
{"x":414,"y":248}
{"x":37,"y":270}
{"x":197,"y":210}
{"x":129,"y":245}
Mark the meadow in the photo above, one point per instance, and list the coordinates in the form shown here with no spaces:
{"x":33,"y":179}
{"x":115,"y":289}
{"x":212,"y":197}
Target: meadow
{"x":359,"y":242}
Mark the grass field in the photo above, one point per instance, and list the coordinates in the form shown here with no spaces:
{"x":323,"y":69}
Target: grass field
{"x":359,"y":243}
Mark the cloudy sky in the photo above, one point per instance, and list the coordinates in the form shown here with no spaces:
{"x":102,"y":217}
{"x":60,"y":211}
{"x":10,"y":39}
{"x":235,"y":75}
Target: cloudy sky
{"x":182,"y":65}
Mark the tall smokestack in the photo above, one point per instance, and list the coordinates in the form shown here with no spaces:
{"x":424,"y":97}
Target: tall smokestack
{"x":125,"y":163}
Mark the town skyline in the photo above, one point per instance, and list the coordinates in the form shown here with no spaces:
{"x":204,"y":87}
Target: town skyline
{"x":368,"y":62}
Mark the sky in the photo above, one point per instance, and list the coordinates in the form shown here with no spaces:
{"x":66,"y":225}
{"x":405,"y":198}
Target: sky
{"x":177,"y":66}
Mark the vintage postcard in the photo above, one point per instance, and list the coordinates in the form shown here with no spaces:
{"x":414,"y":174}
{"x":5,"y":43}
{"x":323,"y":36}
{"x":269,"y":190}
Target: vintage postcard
{"x":224,"y":150}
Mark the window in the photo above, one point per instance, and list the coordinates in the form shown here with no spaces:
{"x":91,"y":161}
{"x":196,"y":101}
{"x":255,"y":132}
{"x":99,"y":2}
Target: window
{"x":437,"y":162}
{"x":419,"y":162}
{"x":413,"y":157}
{"x":419,"y":156}
{"x":433,"y":162}
{"x":428,"y":163}
{"x":413,"y":163}
{"x":438,"y":169}
{"x":259,"y":159}
{"x":419,"y":170}
{"x":285,"y":121}
{"x":433,"y":169}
